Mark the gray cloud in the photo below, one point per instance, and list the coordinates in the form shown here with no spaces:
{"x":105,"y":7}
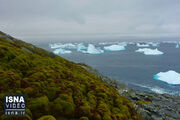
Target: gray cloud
{"x":122,"y":17}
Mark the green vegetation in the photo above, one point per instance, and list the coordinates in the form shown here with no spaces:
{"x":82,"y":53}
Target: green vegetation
{"x":55,"y":86}
{"x":142,"y":102}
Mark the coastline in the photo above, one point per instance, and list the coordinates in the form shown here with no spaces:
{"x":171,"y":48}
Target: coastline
{"x":151,"y":106}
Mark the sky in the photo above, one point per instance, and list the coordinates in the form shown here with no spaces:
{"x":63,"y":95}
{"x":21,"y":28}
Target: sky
{"x":112,"y":18}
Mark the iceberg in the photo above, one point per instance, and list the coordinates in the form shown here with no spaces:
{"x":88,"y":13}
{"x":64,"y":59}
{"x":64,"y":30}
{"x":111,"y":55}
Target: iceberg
{"x":177,"y":46}
{"x":170,"y":77}
{"x":148,"y":51}
{"x":114,"y":48}
{"x":93,"y":50}
{"x":142,"y":45}
{"x":61,"y":51}
{"x":154,"y":44}
{"x":123,"y":44}
{"x":63,"y":46}
{"x":81,"y":47}
{"x":55,"y":45}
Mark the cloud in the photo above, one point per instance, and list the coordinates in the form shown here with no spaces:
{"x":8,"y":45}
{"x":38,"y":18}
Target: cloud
{"x":123,"y":17}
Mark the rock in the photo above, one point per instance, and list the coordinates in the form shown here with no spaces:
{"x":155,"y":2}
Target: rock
{"x":151,"y":106}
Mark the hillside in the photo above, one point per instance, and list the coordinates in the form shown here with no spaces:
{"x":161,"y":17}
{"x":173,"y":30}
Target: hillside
{"x":56,"y":87}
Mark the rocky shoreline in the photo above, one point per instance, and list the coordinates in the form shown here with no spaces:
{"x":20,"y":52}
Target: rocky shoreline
{"x":151,"y":106}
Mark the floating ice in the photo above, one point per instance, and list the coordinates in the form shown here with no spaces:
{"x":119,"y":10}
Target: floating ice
{"x":154,"y":44}
{"x":177,"y":46}
{"x":123,"y":44}
{"x":142,"y":45}
{"x":63,"y":46}
{"x":170,"y":77}
{"x":93,"y":50}
{"x":81,"y":47}
{"x":114,"y":48}
{"x":61,"y":51}
{"x":148,"y":51}
{"x":55,"y":45}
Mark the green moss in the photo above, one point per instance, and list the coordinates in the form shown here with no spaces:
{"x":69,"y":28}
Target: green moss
{"x":55,"y":86}
{"x":39,"y":104}
{"x":27,"y":117}
{"x":47,"y":117}
{"x":168,"y":115}
{"x":142,"y":102}
{"x":107,"y":117}
{"x":29,"y":91}
{"x":51,"y":92}
{"x":63,"y":107}
{"x":84,"y":118}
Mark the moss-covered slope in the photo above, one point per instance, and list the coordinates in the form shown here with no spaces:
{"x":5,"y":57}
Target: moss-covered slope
{"x":55,"y":86}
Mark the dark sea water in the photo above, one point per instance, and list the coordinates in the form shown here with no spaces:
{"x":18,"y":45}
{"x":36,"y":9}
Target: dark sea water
{"x":134,"y":69}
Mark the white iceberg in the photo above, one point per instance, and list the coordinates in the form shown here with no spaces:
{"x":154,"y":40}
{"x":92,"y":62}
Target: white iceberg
{"x":93,"y":50}
{"x":61,"y":51}
{"x":55,"y":45}
{"x":148,"y":51}
{"x":114,"y":48}
{"x":123,"y":44}
{"x":142,"y":45}
{"x":81,"y":47}
{"x":177,"y":46}
{"x":170,"y":77}
{"x":153,"y":44}
{"x":63,"y":46}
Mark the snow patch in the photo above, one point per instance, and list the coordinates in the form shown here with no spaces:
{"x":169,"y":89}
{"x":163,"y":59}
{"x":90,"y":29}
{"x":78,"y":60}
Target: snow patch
{"x":148,"y":51}
{"x":170,"y":77}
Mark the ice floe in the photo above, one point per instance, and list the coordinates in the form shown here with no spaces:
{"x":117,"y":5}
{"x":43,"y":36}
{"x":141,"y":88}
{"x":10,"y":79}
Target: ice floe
{"x":93,"y":50}
{"x":148,"y":51}
{"x":177,"y":45}
{"x":170,"y":77}
{"x":63,"y":46}
{"x":61,"y":51}
{"x":142,"y":45}
{"x":114,"y":48}
{"x":153,"y":44}
{"x":81,"y":47}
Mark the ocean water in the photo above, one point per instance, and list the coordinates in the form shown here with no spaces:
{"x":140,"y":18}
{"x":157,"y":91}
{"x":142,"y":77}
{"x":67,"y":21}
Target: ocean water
{"x":133,"y":68}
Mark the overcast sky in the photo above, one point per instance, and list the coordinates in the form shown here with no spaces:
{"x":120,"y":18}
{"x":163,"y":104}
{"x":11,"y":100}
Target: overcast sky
{"x":90,"y":17}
